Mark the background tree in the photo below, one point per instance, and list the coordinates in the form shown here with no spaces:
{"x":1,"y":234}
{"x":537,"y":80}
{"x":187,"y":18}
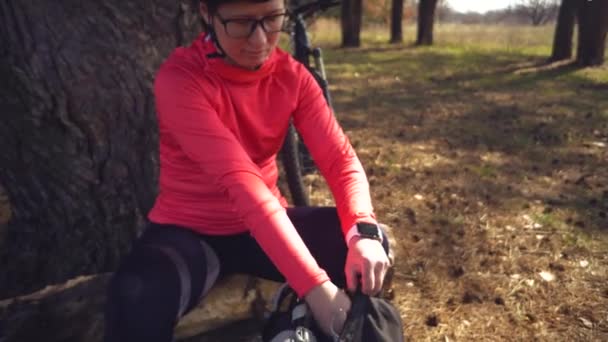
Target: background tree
{"x":426,"y":19}
{"x":443,"y":10}
{"x":564,"y":30}
{"x":397,"y":21}
{"x":539,"y":12}
{"x":351,"y":17}
{"x":593,"y":26}
{"x":377,"y":11}
{"x":77,"y":135}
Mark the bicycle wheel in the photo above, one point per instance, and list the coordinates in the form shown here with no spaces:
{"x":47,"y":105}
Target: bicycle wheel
{"x":295,"y":156}
{"x":294,"y":170}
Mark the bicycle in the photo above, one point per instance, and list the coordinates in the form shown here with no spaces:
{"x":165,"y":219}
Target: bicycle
{"x":294,"y":155}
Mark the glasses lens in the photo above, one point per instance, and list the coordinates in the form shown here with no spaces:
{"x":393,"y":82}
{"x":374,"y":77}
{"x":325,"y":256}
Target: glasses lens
{"x":274,"y":23}
{"x":239,"y":28}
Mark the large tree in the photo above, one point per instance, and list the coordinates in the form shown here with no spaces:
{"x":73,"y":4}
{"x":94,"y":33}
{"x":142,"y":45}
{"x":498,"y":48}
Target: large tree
{"x":397,"y":21}
{"x":593,"y":26}
{"x":351,"y":17}
{"x":564,"y":30}
{"x":426,"y":21}
{"x":77,"y":132}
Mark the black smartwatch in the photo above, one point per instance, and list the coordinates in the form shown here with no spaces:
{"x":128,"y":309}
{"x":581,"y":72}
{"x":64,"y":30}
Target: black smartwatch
{"x":369,"y":231}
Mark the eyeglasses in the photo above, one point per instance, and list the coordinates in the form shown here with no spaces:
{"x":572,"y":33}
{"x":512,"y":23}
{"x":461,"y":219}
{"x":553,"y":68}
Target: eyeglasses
{"x":244,"y":27}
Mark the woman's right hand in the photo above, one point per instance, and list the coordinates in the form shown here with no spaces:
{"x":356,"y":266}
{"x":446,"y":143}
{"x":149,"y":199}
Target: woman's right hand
{"x":329,"y":306}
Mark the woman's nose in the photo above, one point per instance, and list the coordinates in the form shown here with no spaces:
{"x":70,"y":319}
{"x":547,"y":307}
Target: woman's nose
{"x":258,"y":36}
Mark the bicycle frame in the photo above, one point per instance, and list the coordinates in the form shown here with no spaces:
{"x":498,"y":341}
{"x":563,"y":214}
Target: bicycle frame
{"x":303,"y":49}
{"x":294,"y":154}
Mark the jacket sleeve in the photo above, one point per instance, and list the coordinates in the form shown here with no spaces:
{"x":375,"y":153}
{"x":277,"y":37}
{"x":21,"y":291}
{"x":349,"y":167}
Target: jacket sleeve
{"x":333,"y":154}
{"x":185,"y":112}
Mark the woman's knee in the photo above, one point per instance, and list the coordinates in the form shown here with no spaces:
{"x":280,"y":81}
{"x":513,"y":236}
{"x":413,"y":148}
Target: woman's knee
{"x":144,"y":275}
{"x":178,"y":274}
{"x":143,"y":299}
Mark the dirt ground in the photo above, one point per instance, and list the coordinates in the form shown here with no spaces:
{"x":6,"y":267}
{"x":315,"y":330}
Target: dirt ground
{"x":493,"y":172}
{"x":495,"y":178}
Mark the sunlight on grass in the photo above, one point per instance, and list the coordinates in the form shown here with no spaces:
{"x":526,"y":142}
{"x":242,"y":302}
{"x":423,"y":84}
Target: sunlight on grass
{"x":461,"y":141}
{"x":548,"y":220}
{"x":533,"y":40}
{"x":485,"y":171}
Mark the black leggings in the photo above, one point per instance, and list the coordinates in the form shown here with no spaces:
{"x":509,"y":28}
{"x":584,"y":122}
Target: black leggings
{"x":168,"y":271}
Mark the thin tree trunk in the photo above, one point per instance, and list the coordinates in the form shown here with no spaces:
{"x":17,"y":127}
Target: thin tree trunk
{"x":564,"y":30}
{"x":352,"y":12}
{"x":357,"y":19}
{"x":77,"y":133}
{"x":593,"y":26}
{"x":397,"y":21}
{"x":426,"y":18}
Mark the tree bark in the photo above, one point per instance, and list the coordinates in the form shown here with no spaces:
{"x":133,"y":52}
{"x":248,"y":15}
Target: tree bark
{"x":78,"y":143}
{"x":352,"y":13}
{"x":73,"y":311}
{"x":426,"y":19}
{"x":564,"y":30}
{"x":593,"y":26}
{"x":397,"y":21}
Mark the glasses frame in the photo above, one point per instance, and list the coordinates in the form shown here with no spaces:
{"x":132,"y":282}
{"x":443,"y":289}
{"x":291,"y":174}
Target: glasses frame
{"x":256,"y":23}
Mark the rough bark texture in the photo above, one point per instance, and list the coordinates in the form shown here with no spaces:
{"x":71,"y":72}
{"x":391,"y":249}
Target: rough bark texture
{"x":593,"y":26}
{"x":564,"y":30}
{"x":426,"y":21}
{"x":77,"y":132}
{"x":352,"y":13}
{"x":396,"y":21}
{"x":74,"y":311}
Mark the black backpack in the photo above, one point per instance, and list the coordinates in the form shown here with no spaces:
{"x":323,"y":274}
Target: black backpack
{"x":371,"y":319}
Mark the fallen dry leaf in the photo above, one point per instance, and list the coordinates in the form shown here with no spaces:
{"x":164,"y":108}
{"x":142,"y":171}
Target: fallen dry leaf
{"x":547,"y":276}
{"x":587,"y":323}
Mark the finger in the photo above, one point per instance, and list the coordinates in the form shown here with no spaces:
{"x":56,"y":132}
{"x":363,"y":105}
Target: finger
{"x":367,"y":278}
{"x":379,"y":270}
{"x":351,"y":279}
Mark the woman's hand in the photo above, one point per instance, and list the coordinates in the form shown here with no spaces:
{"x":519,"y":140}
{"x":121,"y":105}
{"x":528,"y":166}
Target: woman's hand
{"x":329,"y":306}
{"x":366,"y":258}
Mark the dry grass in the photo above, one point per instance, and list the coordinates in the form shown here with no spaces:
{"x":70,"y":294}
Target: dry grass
{"x":327,"y":32}
{"x":493,"y":168}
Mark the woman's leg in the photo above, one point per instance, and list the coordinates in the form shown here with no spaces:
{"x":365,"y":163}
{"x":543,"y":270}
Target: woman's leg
{"x":162,"y":277}
{"x":320,"y":230}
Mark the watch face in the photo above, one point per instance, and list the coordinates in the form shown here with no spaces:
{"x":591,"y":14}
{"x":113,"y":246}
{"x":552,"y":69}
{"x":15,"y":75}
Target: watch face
{"x":368,"y":229}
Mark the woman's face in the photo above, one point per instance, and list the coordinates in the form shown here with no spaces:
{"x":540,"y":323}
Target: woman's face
{"x":232,"y":22}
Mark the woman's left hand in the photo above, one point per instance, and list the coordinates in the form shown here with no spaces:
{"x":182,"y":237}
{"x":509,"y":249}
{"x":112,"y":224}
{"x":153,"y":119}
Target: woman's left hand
{"x":367,"y":258}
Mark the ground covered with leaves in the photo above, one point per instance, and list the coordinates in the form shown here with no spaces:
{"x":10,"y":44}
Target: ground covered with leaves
{"x":492,"y":166}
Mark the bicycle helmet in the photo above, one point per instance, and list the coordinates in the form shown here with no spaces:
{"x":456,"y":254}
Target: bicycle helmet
{"x":212,"y":6}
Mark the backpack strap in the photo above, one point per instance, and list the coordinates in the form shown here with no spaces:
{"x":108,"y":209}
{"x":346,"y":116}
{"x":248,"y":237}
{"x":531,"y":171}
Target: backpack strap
{"x":355,"y":317}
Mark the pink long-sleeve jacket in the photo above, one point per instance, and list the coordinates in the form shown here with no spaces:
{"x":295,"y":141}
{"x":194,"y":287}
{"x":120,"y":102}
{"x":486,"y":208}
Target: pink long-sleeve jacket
{"x":221,"y":127}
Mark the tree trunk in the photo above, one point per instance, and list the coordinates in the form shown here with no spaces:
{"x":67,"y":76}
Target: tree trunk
{"x":73,"y":311}
{"x":352,"y":13}
{"x":564,"y":30}
{"x":77,"y":135}
{"x":396,"y":21}
{"x":593,"y":26}
{"x":426,"y":18}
